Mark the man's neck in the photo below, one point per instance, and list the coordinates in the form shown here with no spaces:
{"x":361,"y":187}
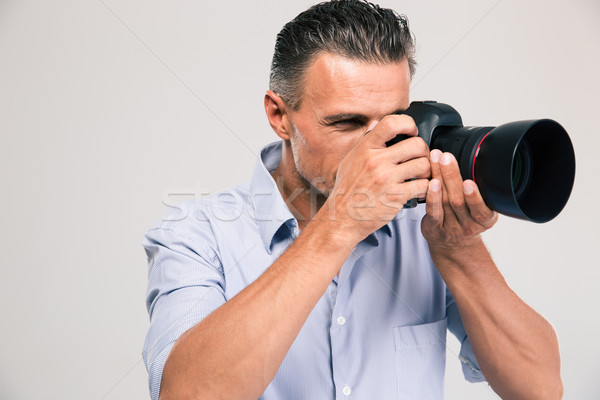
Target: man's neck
{"x":301,"y":198}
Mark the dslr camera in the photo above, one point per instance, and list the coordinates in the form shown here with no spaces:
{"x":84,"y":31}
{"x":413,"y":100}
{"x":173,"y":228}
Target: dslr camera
{"x":524,"y":169}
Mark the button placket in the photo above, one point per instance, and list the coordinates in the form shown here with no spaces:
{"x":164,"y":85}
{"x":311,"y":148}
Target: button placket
{"x":339,"y":342}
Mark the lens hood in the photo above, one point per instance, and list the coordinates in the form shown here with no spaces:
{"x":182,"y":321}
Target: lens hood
{"x":526,"y":169}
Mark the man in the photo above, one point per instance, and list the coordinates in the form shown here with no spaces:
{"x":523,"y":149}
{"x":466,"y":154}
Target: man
{"x":310,"y":282}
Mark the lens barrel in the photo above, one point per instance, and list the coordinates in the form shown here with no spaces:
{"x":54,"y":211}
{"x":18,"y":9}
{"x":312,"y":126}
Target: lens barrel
{"x":523,"y":169}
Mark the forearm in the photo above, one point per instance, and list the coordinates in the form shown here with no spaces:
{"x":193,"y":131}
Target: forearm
{"x":236,"y":351}
{"x":515,"y":347}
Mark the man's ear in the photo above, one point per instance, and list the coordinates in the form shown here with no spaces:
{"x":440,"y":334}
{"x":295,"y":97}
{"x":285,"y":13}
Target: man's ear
{"x":276,"y":110}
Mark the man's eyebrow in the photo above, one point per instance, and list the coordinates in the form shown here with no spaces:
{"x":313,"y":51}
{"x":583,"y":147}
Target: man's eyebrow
{"x":345,"y":116}
{"x":352,"y":116}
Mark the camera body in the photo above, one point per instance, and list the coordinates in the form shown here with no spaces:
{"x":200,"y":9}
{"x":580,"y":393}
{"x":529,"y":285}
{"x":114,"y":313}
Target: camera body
{"x":524,"y":169}
{"x":429,"y":115}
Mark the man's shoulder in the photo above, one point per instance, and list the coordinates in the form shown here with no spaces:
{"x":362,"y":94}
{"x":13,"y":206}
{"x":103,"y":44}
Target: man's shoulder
{"x":195,"y":227}
{"x":204,"y":210}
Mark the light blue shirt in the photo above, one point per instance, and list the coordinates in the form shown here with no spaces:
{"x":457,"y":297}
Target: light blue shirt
{"x":378,"y":332}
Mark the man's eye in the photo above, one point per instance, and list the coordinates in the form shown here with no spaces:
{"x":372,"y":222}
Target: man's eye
{"x":347,"y":123}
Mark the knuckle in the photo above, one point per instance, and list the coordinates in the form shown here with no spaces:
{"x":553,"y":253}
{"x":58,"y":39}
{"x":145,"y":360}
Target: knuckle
{"x":481,"y":219}
{"x":450,"y":173}
{"x":492,"y":220}
{"x":424,"y":166}
{"x":386,"y":122}
{"x":408,"y":123}
{"x":416,"y":188}
{"x":400,"y":122}
{"x":456,"y":202}
{"x":398,"y":198}
{"x":486,"y":220}
{"x":422,"y":147}
{"x":371,"y":163}
{"x":381,"y":177}
{"x":470,"y":231}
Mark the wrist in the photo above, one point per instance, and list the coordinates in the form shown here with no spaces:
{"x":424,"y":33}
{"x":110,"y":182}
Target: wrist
{"x":459,"y":250}
{"x":333,"y":231}
{"x":471,"y":261}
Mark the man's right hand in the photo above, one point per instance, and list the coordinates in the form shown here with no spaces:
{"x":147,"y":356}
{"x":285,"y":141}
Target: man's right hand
{"x":372,"y":182}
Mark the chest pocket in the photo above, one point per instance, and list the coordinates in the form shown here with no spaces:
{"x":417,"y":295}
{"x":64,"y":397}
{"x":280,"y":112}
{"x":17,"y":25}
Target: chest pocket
{"x":421,"y":360}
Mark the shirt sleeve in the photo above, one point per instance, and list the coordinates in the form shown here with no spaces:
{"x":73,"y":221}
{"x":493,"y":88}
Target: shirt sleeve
{"x":185,"y":284}
{"x":470,"y":367}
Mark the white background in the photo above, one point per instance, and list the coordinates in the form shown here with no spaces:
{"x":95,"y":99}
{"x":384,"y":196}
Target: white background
{"x":107,"y":106}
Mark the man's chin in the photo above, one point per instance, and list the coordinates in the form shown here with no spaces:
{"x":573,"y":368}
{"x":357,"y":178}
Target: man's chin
{"x":318,"y":187}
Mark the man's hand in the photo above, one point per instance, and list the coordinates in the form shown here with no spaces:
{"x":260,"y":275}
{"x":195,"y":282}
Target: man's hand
{"x":515,"y":347}
{"x":372,"y":182}
{"x":456,"y":212}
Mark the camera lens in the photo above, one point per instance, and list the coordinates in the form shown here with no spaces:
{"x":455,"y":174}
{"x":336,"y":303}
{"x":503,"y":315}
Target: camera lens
{"x":523,"y":169}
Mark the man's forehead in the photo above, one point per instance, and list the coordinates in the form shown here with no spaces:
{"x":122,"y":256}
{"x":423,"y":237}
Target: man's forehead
{"x":336,"y":84}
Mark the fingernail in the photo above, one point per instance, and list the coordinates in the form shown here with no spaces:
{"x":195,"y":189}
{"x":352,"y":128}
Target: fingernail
{"x":467,"y":188}
{"x":434,"y":185}
{"x":446,"y":159}
{"x":372,"y":125}
{"x":435,"y":156}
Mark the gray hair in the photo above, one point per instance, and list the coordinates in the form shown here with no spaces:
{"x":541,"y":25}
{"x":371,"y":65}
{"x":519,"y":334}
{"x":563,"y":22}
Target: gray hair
{"x":358,"y":30}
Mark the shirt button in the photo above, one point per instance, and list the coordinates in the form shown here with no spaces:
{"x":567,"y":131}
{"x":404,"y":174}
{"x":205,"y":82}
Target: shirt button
{"x":341,"y":321}
{"x":346,"y":390}
{"x":296,"y":231}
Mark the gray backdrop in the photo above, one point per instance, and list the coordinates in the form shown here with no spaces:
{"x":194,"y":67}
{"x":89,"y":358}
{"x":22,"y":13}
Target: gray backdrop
{"x":110,"y":110}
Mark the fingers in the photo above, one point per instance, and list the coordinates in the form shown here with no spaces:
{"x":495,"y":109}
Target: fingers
{"x":437,"y":200}
{"x":412,"y":154}
{"x":434,"y":157}
{"x":434,"y":202}
{"x":388,"y":127}
{"x":453,"y":184}
{"x":441,"y":200}
{"x":416,"y":168}
{"x":461,"y":199}
{"x":408,"y":190}
{"x":407,"y":149}
{"x":478,"y":210}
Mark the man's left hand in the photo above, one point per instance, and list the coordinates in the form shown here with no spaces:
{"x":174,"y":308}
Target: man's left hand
{"x":456,"y":213}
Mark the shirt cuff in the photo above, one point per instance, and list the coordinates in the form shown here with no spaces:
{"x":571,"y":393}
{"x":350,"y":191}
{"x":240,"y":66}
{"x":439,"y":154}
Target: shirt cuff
{"x":469,"y":364}
{"x":156,"y":370}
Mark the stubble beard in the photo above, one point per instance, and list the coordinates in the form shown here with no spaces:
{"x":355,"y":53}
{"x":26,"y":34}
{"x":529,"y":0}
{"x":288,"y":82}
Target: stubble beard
{"x":317,"y":186}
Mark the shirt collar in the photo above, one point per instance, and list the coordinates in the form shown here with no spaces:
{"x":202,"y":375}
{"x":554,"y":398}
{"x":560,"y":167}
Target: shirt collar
{"x":271,"y":213}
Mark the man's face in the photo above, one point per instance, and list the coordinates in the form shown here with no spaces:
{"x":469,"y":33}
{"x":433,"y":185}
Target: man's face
{"x":342,"y":99}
